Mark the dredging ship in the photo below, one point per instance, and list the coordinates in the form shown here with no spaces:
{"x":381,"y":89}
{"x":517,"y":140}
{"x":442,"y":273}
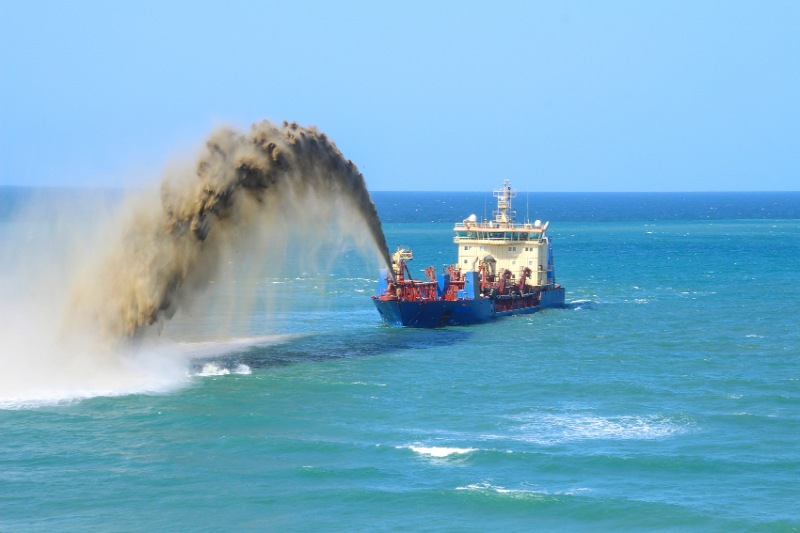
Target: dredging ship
{"x":504,"y":268}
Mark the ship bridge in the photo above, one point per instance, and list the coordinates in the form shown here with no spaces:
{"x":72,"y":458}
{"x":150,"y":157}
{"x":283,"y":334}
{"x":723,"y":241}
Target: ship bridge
{"x":514,"y":246}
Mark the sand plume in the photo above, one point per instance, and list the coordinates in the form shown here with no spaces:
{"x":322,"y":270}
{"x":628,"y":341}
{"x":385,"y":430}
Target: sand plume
{"x":244,"y":188}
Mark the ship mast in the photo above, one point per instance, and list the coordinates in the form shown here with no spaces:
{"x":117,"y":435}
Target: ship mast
{"x":504,"y":215}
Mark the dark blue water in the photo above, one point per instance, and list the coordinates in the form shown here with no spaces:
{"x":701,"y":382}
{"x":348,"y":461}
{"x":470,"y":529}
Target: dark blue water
{"x":591,"y":207}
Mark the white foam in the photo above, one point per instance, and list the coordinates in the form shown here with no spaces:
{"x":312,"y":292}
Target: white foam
{"x":481,"y":487}
{"x":39,"y":371}
{"x":439,"y":451}
{"x":550,"y":429}
{"x":488,"y":487}
{"x":498,"y":489}
{"x":579,"y":305}
{"x":43,"y":374}
{"x":213,"y":369}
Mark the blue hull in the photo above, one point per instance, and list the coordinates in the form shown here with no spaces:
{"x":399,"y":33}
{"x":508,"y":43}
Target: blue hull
{"x":437,"y":313}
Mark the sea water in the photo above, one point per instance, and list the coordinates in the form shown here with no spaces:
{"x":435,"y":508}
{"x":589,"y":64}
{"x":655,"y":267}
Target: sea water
{"x":665,"y":396}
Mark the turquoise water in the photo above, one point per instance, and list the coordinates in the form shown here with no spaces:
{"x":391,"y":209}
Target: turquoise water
{"x":665,"y":397}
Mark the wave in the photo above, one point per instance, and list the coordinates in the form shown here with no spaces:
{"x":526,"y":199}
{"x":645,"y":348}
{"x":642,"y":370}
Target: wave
{"x":213,"y":369}
{"x":579,"y":305}
{"x":438,"y":451}
{"x":485,"y":487}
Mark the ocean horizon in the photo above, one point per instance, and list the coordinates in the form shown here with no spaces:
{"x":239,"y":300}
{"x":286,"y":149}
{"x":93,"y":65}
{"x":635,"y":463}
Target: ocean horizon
{"x":445,"y":206}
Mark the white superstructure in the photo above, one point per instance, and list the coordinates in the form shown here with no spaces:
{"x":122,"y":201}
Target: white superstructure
{"x":502,"y":244}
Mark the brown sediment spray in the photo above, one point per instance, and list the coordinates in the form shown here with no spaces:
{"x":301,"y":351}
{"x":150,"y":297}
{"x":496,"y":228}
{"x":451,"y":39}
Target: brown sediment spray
{"x":170,"y":245}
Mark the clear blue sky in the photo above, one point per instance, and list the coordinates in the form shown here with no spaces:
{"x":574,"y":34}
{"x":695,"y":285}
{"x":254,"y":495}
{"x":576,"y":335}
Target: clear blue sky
{"x":555,"y":96}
